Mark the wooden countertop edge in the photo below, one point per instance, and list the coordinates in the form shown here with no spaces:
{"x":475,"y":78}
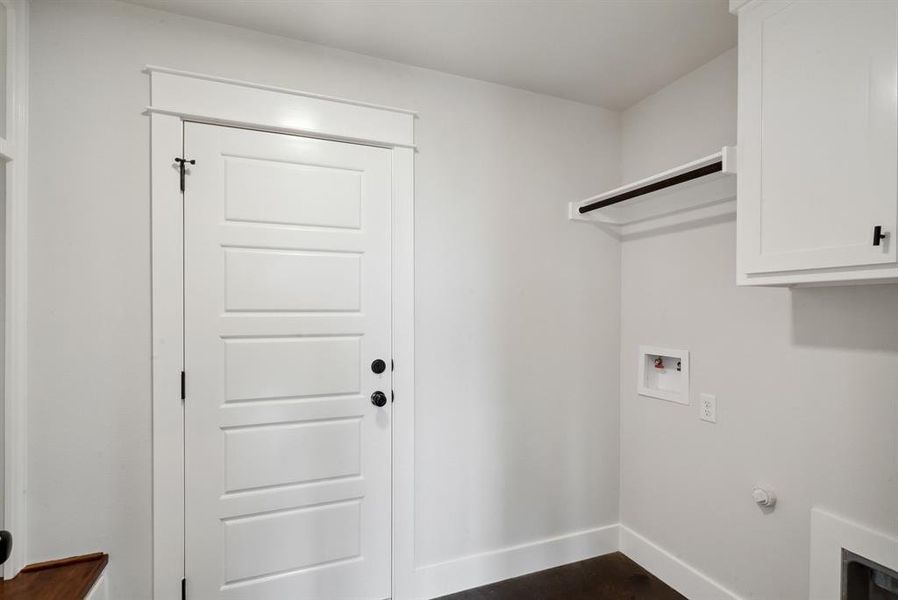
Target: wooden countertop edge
{"x":65,"y":579}
{"x":100,"y":557}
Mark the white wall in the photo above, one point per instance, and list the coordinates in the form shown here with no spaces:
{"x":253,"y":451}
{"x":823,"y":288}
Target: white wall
{"x":692,"y":117}
{"x":806,"y":379}
{"x":517,"y":312}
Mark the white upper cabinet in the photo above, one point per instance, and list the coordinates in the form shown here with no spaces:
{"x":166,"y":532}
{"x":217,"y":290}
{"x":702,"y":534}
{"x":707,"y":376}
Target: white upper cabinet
{"x":818,"y":141}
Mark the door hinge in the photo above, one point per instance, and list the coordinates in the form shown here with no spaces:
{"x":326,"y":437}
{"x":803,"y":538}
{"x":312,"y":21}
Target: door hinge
{"x":183,"y":588}
{"x":183,"y":385}
{"x":182,"y":165}
{"x":392,"y":395}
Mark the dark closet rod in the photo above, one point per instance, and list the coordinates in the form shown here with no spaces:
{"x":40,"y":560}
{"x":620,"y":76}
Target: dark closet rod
{"x":654,"y":187}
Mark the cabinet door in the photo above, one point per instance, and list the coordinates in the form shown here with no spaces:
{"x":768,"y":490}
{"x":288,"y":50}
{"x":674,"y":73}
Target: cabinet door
{"x":818,"y":134}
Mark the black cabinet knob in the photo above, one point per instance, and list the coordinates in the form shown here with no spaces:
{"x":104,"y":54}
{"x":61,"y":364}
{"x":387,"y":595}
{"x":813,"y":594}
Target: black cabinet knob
{"x":379,"y":399}
{"x":378,"y":366}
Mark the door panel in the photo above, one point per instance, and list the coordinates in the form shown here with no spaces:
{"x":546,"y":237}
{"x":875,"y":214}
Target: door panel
{"x":289,"y":540}
{"x":818,"y":137}
{"x":265,"y":191}
{"x":320,"y":449}
{"x":296,"y":367}
{"x":287,"y":303}
{"x":259,"y":280}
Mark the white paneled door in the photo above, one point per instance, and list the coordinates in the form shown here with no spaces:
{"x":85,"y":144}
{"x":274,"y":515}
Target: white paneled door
{"x":287,"y":307}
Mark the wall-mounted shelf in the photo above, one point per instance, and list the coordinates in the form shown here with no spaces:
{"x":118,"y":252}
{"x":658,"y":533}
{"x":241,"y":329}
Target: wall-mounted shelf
{"x":699,"y":189}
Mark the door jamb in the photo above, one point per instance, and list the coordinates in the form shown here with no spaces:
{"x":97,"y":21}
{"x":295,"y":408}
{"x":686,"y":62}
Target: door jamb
{"x":177,"y":97}
{"x":14,"y":155}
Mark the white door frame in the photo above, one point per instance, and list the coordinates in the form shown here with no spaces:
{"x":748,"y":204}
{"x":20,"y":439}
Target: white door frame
{"x":14,"y":153}
{"x":179,"y":96}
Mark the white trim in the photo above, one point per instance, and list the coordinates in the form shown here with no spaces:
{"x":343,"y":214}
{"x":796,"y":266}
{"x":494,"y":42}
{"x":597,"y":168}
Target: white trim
{"x":168,"y":358}
{"x":178,"y":97}
{"x":480,"y":569}
{"x":829,"y":534}
{"x":725,"y":156}
{"x":264,"y":107}
{"x":403,"y":265}
{"x":673,"y":571}
{"x":272,"y":88}
{"x":16,"y":349}
{"x":271,"y":128}
{"x":11,"y":50}
{"x":702,"y":198}
{"x":812,"y":277}
{"x":431,"y":581}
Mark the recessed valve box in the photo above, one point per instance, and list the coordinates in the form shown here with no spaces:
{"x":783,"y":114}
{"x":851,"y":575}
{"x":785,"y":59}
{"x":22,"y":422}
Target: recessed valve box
{"x":663,"y":373}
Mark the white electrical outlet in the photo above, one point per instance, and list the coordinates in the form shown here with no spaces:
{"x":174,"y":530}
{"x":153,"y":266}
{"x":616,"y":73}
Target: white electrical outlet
{"x":708,"y":406}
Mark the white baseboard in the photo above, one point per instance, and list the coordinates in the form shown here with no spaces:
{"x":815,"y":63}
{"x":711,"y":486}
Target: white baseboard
{"x":436,"y":580}
{"x":433,"y":581}
{"x":682,"y":577}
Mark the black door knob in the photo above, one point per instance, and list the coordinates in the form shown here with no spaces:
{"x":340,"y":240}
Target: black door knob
{"x":379,"y":399}
{"x":378,"y":366}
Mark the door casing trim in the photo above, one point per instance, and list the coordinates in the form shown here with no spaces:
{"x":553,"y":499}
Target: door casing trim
{"x":178,"y":97}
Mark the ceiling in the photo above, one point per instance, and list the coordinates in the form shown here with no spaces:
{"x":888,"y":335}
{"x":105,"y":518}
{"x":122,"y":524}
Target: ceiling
{"x":610,"y":53}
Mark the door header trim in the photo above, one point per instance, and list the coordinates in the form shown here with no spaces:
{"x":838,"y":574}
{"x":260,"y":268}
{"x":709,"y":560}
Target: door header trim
{"x":223,"y":101}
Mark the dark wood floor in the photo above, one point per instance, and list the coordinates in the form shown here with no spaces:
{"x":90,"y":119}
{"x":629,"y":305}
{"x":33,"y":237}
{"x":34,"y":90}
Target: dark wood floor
{"x":609,"y":577}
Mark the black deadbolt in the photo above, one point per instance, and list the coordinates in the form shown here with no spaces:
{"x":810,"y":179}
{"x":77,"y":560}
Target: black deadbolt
{"x":379,"y":399}
{"x":378,"y":366}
